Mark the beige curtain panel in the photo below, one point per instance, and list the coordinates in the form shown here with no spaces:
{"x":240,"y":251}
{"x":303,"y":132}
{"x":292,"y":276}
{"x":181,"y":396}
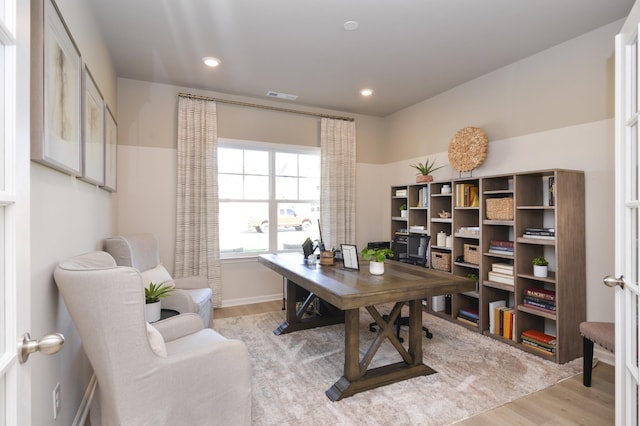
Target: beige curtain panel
{"x":337,"y":188}
{"x":197,"y":235}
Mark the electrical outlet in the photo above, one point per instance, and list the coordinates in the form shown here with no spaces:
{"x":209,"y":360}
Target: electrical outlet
{"x":56,"y":401}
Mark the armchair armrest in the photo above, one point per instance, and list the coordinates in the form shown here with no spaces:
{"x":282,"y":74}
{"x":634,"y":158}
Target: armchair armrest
{"x":179,"y":300}
{"x":196,"y":281}
{"x":178,"y":326}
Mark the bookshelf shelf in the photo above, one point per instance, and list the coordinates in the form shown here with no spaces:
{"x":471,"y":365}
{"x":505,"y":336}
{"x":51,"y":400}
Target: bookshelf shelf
{"x":552,"y":198}
{"x":501,"y":286}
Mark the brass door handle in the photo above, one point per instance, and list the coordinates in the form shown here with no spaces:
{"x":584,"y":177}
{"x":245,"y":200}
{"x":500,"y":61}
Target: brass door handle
{"x":49,"y":345}
{"x":612,"y":281}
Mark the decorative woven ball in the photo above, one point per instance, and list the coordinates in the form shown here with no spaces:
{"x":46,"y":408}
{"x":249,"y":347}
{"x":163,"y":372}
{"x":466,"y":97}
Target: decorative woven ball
{"x":468,"y":149}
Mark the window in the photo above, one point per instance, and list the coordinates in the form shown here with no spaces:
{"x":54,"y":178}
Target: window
{"x":260,"y":184}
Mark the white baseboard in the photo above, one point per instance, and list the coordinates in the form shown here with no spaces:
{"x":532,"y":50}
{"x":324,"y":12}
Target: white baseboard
{"x":251,"y":300}
{"x":85,"y":404}
{"x":604,"y":355}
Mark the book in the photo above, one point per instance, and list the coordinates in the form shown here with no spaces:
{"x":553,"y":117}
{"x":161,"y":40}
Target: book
{"x":493,"y":307}
{"x":502,"y":268}
{"x":541,"y":293}
{"x":536,"y":348}
{"x":500,"y":278}
{"x":540,"y":308}
{"x":544,"y":302}
{"x":500,"y":252}
{"x":539,"y":237}
{"x":500,"y":243}
{"x":539,"y":336}
{"x":466,"y":321}
{"x":469,"y":313}
{"x":539,"y":344}
{"x":549,"y":306}
{"x":507,"y":319}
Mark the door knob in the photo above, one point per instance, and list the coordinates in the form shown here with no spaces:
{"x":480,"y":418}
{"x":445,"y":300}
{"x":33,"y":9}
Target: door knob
{"x":611,"y":281}
{"x":49,"y":345}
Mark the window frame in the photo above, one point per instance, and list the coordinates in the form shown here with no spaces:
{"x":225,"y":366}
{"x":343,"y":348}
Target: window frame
{"x":273,"y":203}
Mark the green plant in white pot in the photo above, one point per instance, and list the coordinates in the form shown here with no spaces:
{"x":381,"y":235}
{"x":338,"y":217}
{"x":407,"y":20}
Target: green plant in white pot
{"x":376,"y":257}
{"x":540,"y":267}
{"x":152,"y":297}
{"x":403,"y":210}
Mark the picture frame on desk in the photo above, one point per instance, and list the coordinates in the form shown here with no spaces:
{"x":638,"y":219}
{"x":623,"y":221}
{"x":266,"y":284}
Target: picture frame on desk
{"x":350,"y":257}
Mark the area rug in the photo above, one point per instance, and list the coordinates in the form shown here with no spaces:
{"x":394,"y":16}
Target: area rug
{"x":474,"y":373}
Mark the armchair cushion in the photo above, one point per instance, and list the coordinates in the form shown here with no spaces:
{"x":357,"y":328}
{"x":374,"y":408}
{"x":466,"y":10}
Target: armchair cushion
{"x":157,"y":275}
{"x":156,"y":341}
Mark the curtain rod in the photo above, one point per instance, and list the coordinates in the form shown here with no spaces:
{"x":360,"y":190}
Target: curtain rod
{"x":247,"y":104}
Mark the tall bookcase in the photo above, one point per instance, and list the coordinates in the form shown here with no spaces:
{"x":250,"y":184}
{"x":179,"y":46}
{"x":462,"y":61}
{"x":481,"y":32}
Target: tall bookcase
{"x":486,"y":219}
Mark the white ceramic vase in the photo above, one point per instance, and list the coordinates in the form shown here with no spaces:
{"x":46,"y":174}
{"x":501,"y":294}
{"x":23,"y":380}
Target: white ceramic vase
{"x":376,"y":268}
{"x":403,"y":213}
{"x":152,"y":311}
{"x":540,"y":271}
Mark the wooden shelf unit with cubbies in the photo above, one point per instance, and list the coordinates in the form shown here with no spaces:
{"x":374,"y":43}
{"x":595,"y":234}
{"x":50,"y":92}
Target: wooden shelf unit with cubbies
{"x":495,"y":241}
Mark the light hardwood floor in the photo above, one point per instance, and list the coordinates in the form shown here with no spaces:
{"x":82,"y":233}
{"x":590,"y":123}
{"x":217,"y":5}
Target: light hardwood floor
{"x":566,"y":403}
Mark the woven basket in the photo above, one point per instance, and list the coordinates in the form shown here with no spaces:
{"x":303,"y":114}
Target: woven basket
{"x":472,"y":254}
{"x":499,"y":208}
{"x":441,"y":261}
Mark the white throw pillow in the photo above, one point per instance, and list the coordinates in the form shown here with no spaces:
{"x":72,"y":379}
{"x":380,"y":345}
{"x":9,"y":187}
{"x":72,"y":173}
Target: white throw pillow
{"x":157,"y":275}
{"x":156,"y":341}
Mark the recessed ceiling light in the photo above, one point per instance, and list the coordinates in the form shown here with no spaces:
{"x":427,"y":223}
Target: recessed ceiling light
{"x":366,"y":92}
{"x":210,"y":61}
{"x":351,"y":25}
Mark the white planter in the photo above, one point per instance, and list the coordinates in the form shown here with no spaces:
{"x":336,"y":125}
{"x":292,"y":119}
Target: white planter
{"x":403,"y":213}
{"x":376,"y":268}
{"x":540,"y":271}
{"x":152,"y":311}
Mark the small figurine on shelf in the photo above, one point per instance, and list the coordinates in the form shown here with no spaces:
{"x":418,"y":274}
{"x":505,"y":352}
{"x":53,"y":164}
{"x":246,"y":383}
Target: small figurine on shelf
{"x":444,"y":214}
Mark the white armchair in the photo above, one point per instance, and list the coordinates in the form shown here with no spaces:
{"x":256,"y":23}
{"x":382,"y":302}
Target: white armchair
{"x":174,"y":372}
{"x":141,"y":251}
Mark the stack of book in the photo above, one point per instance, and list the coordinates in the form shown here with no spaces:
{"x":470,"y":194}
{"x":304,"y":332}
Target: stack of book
{"x":541,"y":299}
{"x":401,"y":192}
{"x":467,"y":195}
{"x":468,"y":316}
{"x":470,"y":231}
{"x":540,"y":233}
{"x":495,"y":316}
{"x":501,"y":247}
{"x":423,"y":197}
{"x":501,"y":273}
{"x":539,"y":341}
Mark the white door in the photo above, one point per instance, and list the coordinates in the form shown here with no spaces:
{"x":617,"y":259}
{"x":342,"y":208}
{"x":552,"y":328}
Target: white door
{"x":14,"y":211}
{"x":627,"y":211}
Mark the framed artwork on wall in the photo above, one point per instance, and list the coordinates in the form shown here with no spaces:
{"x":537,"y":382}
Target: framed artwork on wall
{"x":93,"y":132}
{"x":56,"y":91}
{"x":110,"y":150}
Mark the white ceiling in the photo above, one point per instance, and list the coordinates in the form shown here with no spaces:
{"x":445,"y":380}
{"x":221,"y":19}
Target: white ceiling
{"x":405,"y":50}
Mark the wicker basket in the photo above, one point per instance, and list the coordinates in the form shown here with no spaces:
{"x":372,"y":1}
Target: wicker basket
{"x":499,"y":208}
{"x":472,"y":254}
{"x":441,"y":261}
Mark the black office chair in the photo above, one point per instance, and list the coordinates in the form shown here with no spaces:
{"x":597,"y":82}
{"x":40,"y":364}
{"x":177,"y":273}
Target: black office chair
{"x":414,"y":249}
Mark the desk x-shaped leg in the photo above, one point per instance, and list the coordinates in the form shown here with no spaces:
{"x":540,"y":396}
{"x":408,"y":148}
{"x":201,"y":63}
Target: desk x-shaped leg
{"x":326,"y":314}
{"x":357,"y":377}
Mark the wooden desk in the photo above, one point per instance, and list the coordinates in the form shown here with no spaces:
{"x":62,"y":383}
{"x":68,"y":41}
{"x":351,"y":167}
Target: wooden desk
{"x":343,"y":292}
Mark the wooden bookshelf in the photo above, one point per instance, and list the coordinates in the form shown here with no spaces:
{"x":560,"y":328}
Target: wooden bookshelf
{"x":529,"y":194}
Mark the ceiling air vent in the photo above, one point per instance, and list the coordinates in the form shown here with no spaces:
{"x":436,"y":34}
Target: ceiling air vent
{"x":273,"y":94}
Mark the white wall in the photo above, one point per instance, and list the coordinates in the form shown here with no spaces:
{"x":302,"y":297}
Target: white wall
{"x":587,"y":147}
{"x":68,"y":217}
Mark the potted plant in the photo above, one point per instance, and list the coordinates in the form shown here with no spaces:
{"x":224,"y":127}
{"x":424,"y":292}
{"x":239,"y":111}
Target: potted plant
{"x":376,"y":257}
{"x":425,"y":170}
{"x":152,"y":296}
{"x":403,"y":210}
{"x":540,"y":266}
{"x":475,"y":278}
